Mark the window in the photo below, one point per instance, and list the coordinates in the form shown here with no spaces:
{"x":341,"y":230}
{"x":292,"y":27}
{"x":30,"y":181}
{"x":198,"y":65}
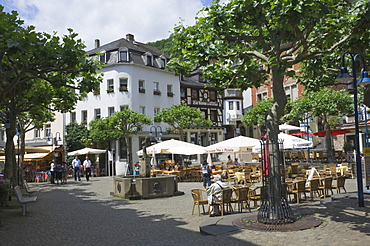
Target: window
{"x":84,"y":117}
{"x":73,"y":117}
{"x":47,"y":130}
{"x":142,"y":110}
{"x":141,"y":86}
{"x":169,"y":91}
{"x":97,"y":114}
{"x":148,"y":59}
{"x":37,"y":133}
{"x":123,"y":55}
{"x":212,"y":96}
{"x":123,"y":107}
{"x":213,"y":115}
{"x":231,"y":105}
{"x":107,"y":57}
{"x":156,"y":110}
{"x":102,"y":56}
{"x":111,"y":111}
{"x":194,"y":94}
{"x":110,"y":85}
{"x":156,"y":90}
{"x":161,"y":61}
{"x":183,"y":92}
{"x":237,"y":105}
{"x":123,"y":84}
{"x":291,"y":92}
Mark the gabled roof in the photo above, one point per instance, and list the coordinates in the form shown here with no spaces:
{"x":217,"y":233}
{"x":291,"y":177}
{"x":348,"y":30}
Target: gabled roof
{"x":130,"y":45}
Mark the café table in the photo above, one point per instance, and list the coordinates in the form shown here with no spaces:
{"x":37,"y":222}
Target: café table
{"x":177,"y":173}
{"x":217,"y":172}
{"x":341,"y":169}
{"x":156,"y":171}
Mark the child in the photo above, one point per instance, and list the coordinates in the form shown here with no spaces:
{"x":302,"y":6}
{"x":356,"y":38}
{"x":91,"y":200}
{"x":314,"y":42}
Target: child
{"x":136,"y":169}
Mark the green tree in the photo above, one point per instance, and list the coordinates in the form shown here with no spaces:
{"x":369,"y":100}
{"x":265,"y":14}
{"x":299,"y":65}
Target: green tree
{"x":325,"y":103}
{"x":164,"y":45}
{"x":74,"y":134}
{"x":121,"y":124}
{"x":180,"y":116}
{"x":243,"y":43}
{"x":39,"y":71}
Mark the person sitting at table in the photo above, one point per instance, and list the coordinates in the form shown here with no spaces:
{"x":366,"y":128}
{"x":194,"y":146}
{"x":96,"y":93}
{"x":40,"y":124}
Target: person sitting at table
{"x":236,"y":162}
{"x":216,"y":186}
{"x":229,"y":160}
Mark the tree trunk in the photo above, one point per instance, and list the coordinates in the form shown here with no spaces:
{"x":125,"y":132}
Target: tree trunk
{"x":328,"y":141}
{"x":10,"y":169}
{"x":274,"y":209}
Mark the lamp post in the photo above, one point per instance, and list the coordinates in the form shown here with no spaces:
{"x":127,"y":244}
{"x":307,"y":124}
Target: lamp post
{"x":54,"y":142}
{"x":365,"y":80}
{"x":156,"y":128}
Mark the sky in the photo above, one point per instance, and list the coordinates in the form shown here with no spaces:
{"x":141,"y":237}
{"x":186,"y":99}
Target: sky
{"x":107,"y":20}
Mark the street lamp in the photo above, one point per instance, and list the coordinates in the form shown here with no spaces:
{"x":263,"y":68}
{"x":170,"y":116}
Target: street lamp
{"x":156,"y":128}
{"x":365,"y":80}
{"x":54,"y":142}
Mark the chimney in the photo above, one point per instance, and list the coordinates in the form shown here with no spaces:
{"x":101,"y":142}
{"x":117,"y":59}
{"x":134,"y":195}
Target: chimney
{"x":97,"y":43}
{"x":130,"y":37}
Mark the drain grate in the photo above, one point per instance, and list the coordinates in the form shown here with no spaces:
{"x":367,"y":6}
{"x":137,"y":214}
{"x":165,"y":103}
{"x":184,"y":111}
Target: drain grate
{"x":251,"y":223}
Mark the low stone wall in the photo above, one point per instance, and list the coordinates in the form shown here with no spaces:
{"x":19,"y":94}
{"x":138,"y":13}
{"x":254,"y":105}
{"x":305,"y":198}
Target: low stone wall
{"x":152,"y":187}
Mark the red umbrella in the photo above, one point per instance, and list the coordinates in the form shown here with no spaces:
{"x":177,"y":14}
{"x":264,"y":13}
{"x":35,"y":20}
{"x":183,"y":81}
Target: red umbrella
{"x":302,"y":133}
{"x":333,"y":132}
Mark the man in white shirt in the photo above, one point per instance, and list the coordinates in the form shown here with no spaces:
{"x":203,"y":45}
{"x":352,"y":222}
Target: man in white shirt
{"x":87,"y":168}
{"x":216,"y":186}
{"x":52,"y":174}
{"x":76,"y":163}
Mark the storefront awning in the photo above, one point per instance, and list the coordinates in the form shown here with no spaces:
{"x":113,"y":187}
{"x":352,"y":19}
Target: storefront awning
{"x":33,"y":156}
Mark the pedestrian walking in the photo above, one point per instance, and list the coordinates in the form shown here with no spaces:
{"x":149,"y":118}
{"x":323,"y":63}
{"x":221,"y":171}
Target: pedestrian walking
{"x":87,"y":168}
{"x":52,"y":173}
{"x":76,"y":166}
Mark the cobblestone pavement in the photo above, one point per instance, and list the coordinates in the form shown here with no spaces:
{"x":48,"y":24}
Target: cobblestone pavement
{"x":85,"y":213}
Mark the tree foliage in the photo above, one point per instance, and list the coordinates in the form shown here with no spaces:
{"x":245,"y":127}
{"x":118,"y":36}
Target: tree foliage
{"x":323,"y":104}
{"x":121,"y":124}
{"x":39,"y":72}
{"x":181,"y":116}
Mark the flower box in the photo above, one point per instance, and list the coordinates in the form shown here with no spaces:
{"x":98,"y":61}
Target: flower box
{"x":123,"y":88}
{"x":141,"y":90}
{"x":157,"y":92}
{"x":110,"y":90}
{"x":170,"y":94}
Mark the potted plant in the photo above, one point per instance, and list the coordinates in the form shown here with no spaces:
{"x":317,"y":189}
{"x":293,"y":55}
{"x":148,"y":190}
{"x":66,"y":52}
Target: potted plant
{"x":123,"y":88}
{"x":5,"y":191}
{"x":110,"y":90}
{"x":170,"y":93}
{"x":142,"y":90}
{"x":157,"y":92}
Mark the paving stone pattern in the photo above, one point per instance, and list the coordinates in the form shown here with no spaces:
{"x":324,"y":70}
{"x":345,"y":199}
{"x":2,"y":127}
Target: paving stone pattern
{"x":85,"y":213}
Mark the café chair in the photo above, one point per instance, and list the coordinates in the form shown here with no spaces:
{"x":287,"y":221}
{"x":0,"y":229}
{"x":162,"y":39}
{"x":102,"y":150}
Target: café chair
{"x":198,"y":200}
{"x":241,"y":197}
{"x":326,"y":186}
{"x":313,"y":188}
{"x":225,"y":203}
{"x":254,"y":196}
{"x":298,"y":189}
{"x":231,"y":177}
{"x":341,"y":180}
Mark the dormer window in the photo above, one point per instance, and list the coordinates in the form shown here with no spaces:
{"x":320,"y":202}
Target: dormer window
{"x":161,"y":61}
{"x":123,"y":55}
{"x":104,"y":57}
{"x":148,"y":59}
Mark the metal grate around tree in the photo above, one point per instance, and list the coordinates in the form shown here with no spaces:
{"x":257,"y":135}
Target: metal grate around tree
{"x":274,"y":209}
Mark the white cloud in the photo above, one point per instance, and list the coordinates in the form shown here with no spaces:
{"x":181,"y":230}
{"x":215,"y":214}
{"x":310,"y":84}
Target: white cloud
{"x":108,"y":20}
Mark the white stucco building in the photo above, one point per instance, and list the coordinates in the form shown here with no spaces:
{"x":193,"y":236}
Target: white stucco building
{"x":134,"y":77}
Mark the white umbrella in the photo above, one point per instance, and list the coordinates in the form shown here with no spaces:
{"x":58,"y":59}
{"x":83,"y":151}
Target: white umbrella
{"x":286,"y":127}
{"x":289,"y":142}
{"x":233,"y":145}
{"x":86,"y":151}
{"x":209,"y":159}
{"x":162,"y":147}
{"x":187,"y":150}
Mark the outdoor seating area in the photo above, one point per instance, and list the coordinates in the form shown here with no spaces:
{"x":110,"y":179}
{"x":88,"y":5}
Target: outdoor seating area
{"x":303,"y":183}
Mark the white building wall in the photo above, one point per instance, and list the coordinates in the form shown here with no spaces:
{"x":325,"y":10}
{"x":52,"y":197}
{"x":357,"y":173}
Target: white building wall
{"x":132,"y":98}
